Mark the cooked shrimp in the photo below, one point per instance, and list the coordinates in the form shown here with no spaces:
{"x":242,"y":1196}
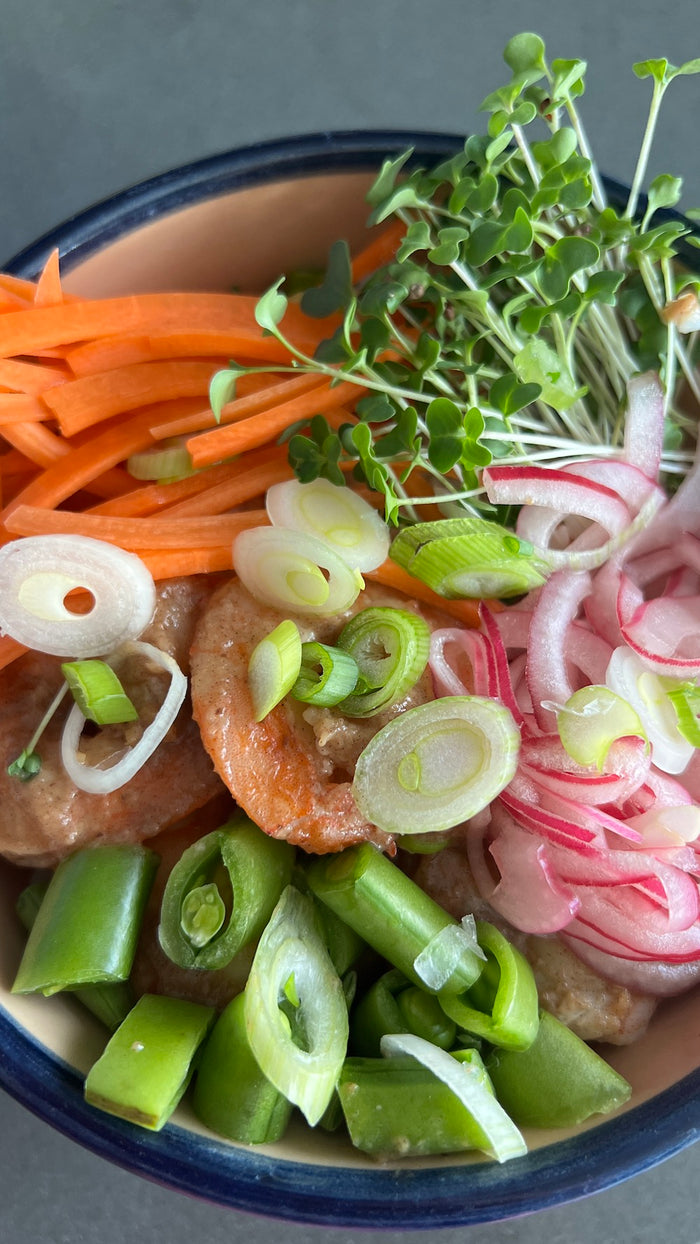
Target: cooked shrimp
{"x":43,"y":819}
{"x":292,"y":772}
{"x":595,"y":1008}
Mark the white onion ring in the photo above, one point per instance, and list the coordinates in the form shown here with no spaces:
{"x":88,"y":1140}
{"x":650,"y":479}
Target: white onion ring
{"x":103,"y":781}
{"x":38,"y":572}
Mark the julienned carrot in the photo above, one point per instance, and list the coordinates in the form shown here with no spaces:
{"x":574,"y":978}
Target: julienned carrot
{"x":155,"y":498}
{"x":211,"y":531}
{"x":10,"y":650}
{"x":23,"y":377}
{"x":96,"y":356}
{"x":79,"y":404}
{"x":393,"y":576}
{"x":18,"y":287}
{"x":263,"y":393}
{"x":49,"y":292}
{"x":25,"y":332}
{"x":248,"y":483}
{"x":37,"y":442}
{"x":380,"y":250}
{"x":250,"y":433}
{"x":22,"y":408}
{"x":176,"y":563}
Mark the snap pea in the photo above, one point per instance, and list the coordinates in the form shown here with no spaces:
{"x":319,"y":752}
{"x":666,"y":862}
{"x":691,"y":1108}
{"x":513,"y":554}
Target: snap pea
{"x":393,"y":1004}
{"x":221,"y":893}
{"x":88,"y":924}
{"x":147,"y":1063}
{"x":231,"y":1094}
{"x":558,"y":1082}
{"x":502,"y":1005}
{"x":111,"y":1002}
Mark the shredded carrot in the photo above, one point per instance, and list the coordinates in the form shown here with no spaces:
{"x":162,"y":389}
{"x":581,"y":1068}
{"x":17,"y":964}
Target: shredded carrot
{"x":174,"y":563}
{"x":381,"y":249}
{"x":37,"y":442}
{"x":79,"y":404}
{"x":263,"y":393}
{"x":23,"y":377}
{"x":393,"y":576}
{"x":211,"y":531}
{"x":250,"y":433}
{"x":248,"y":483}
{"x":154,"y":498}
{"x":49,"y":292}
{"x":22,"y":408}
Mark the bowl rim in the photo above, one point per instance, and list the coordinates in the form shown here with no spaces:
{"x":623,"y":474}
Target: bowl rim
{"x":246,"y":1179}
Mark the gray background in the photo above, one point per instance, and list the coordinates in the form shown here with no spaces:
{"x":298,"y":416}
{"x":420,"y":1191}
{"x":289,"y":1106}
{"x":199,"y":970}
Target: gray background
{"x":96,"y":95}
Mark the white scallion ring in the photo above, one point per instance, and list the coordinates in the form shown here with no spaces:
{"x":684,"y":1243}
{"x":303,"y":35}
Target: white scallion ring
{"x":98,"y":781}
{"x":285,"y":569}
{"x":38,"y":573}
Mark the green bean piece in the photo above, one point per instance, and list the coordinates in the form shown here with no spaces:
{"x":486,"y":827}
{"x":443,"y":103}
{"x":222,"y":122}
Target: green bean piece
{"x":394,"y":1108}
{"x":387,"y":909}
{"x":558,"y":1082}
{"x":392,"y":1004}
{"x":221,"y":893}
{"x":424,"y":1017}
{"x":231,"y":1094}
{"x":343,"y":944}
{"x":147,"y":1063}
{"x":111,"y":1002}
{"x":88,"y":924}
{"x":502,"y":1005}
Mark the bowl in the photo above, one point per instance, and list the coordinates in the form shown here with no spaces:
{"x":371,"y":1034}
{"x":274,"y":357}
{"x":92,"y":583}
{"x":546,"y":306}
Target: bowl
{"x":240,"y":219}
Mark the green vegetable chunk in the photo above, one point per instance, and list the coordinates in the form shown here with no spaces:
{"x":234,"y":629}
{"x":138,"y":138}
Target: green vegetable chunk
{"x":111,"y":1002}
{"x":392,"y":913}
{"x":393,"y":1004}
{"x":147,"y":1064}
{"x":394,"y":1108}
{"x":558,"y":1082}
{"x":502,"y":1005}
{"x":231,"y":1094}
{"x":87,"y":927}
{"x":468,"y":557}
{"x":221,"y":893}
{"x":98,"y":692}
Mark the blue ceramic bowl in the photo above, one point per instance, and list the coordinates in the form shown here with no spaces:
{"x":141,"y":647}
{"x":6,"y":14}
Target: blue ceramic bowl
{"x":241,"y":218}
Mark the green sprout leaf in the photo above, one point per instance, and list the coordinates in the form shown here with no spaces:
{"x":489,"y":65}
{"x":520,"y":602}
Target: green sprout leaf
{"x":336,"y":288}
{"x":271,"y":308}
{"x":26,"y":766}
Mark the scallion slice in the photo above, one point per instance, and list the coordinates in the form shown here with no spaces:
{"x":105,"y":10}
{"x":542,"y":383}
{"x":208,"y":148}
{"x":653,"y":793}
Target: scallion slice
{"x":98,"y":692}
{"x":391,"y":648}
{"x":274,"y":667}
{"x":468,"y":557}
{"x":167,"y":462}
{"x":327,"y":675}
{"x":592,"y":719}
{"x":685,"y":698}
{"x":302,"y":1055}
{"x":436,"y":765}
{"x":334,"y":514}
{"x":291,"y":570}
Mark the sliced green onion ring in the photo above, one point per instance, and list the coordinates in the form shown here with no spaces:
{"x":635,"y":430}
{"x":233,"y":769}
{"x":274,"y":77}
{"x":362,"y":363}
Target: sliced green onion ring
{"x":436,"y":765}
{"x":98,"y":692}
{"x":391,"y":648}
{"x":592,"y":719}
{"x":336,"y":515}
{"x":285,"y":569}
{"x":500,"y":1138}
{"x":327,"y":675}
{"x":290,"y":946}
{"x":469,"y":557}
{"x":274,"y":667}
{"x":685,"y":698}
{"x":170,"y":461}
{"x":37,"y":573}
{"x":98,"y":781}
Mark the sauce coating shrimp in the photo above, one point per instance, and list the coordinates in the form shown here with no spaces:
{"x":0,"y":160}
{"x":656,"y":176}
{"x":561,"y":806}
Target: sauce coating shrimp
{"x":44,"y":819}
{"x":291,"y":772}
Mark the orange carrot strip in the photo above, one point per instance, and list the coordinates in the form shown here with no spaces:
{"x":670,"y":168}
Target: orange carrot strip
{"x":248,"y":483}
{"x":22,"y":408}
{"x":381,"y":249}
{"x":105,"y":353}
{"x":210,"y":531}
{"x":46,"y":327}
{"x":174,"y":563}
{"x":29,"y":377}
{"x":393,"y":576}
{"x":18,"y":286}
{"x":261,"y":394}
{"x":49,"y":292}
{"x":79,"y":404}
{"x":36,"y":442}
{"x":155,"y":498}
{"x":258,"y":429}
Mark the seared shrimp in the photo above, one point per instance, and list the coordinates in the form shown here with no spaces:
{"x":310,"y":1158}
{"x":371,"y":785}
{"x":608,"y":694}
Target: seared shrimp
{"x":44,"y":819}
{"x":595,"y":1008}
{"x":292,"y":772}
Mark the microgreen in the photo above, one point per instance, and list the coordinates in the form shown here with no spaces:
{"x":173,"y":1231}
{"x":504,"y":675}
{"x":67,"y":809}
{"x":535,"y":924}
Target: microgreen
{"x":517,"y":307}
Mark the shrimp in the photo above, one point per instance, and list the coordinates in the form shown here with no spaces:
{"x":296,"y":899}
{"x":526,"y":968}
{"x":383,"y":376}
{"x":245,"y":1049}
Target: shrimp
{"x":44,"y":819}
{"x":291,"y":772}
{"x":595,"y":1008}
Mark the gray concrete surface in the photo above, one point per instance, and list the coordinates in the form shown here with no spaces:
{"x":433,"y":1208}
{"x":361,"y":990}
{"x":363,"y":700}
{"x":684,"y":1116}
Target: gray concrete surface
{"x":98,"y":94}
